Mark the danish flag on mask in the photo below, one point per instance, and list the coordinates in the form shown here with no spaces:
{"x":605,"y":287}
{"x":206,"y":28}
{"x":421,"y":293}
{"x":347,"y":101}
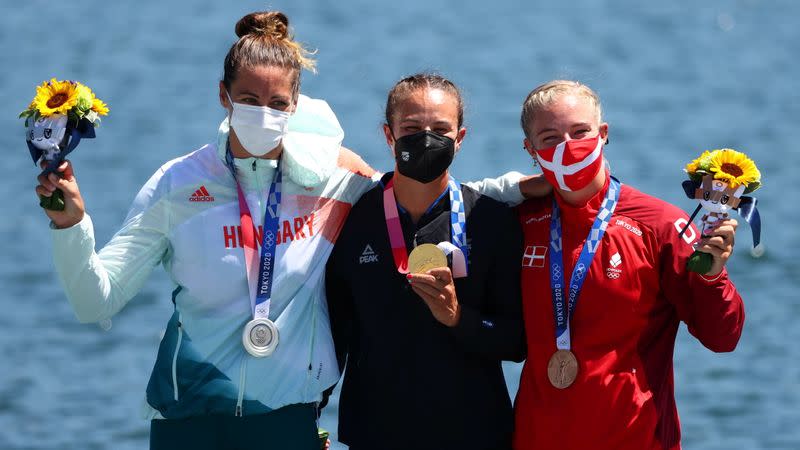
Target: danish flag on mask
{"x":571,"y":165}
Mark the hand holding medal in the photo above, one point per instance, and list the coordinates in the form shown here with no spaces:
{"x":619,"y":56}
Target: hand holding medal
{"x":61,"y":114}
{"x":437,"y":290}
{"x":426,"y":267}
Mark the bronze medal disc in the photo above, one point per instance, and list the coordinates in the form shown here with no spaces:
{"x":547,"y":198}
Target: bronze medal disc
{"x":426,"y":257}
{"x":562,"y":369}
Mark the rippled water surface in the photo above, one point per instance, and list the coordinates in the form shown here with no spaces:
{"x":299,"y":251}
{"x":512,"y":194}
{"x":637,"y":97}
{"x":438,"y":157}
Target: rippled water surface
{"x":676,"y":78}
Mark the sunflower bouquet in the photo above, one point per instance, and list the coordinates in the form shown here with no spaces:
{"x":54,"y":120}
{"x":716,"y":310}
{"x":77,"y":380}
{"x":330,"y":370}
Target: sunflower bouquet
{"x":60,"y":115}
{"x":718,"y":179}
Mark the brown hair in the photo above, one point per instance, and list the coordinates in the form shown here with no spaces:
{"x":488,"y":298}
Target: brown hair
{"x":547,"y":93}
{"x":264,"y":40}
{"x":403,"y":88}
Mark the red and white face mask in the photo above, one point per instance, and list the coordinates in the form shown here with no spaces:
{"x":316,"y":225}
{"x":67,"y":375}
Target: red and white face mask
{"x":572,"y":165}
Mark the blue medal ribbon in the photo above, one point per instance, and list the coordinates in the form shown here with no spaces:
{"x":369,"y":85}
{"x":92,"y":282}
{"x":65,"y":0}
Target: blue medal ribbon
{"x":268,"y":256}
{"x":458,"y":220}
{"x":563,"y":308}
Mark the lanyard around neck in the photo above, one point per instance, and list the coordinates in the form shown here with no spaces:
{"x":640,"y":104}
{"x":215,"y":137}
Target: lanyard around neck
{"x":260,"y":270}
{"x":563,"y":308}
{"x":458,"y":230}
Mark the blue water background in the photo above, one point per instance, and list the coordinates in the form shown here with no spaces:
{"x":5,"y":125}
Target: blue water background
{"x":676,"y":77}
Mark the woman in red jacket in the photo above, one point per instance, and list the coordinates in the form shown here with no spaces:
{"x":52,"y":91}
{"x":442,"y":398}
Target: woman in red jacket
{"x":605,"y":286}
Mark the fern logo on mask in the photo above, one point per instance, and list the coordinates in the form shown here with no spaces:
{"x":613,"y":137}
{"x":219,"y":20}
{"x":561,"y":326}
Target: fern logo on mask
{"x":424,"y":156}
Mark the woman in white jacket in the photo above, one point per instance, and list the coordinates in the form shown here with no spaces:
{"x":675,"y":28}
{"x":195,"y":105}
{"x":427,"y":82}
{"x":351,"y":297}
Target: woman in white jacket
{"x":244,"y":227}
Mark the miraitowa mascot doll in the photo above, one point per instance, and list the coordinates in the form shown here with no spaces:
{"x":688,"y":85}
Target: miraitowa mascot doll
{"x":61,"y":114}
{"x":718,"y":179}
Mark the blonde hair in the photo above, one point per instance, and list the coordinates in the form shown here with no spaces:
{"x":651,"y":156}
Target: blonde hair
{"x":264,"y":40}
{"x":546,"y":93}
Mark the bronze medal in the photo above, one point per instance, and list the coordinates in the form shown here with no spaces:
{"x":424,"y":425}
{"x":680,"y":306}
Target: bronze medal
{"x":562,"y":369}
{"x":426,"y":257}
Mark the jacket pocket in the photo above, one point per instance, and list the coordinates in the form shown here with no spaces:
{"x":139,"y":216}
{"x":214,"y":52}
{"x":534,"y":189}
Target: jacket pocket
{"x":162,"y":390}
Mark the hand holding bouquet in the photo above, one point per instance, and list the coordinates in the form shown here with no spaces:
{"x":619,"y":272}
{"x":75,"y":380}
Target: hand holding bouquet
{"x":718,"y":179}
{"x":60,"y":115}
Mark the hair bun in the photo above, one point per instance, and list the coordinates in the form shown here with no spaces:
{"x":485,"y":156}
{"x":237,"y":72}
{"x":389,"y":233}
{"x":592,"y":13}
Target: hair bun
{"x":272,"y":24}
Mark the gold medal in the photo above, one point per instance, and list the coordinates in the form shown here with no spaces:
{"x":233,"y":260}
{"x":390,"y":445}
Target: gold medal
{"x":426,"y":257}
{"x":562,"y":369}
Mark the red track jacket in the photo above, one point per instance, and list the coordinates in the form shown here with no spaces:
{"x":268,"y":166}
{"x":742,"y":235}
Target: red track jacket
{"x":623,"y":327}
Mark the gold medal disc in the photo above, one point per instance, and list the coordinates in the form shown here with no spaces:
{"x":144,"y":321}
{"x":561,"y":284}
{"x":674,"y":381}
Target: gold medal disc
{"x":562,"y":369}
{"x":426,"y":257}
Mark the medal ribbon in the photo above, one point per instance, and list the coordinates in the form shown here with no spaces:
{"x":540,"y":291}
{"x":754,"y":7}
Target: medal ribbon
{"x":261,"y":269}
{"x":562,"y":313}
{"x":458,"y":230}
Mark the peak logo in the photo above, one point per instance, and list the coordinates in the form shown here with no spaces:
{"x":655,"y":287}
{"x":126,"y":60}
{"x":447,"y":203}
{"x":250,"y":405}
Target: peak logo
{"x":201,"y":195}
{"x":368,"y":256}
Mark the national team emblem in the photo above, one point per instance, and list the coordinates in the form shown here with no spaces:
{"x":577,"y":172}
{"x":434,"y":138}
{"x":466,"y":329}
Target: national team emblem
{"x":534,"y":256}
{"x":614,"y":272}
{"x":616,"y":260}
{"x":405,"y":155}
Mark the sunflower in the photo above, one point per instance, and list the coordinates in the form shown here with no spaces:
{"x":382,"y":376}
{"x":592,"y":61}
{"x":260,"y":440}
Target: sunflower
{"x":98,"y":106}
{"x":55,"y":97}
{"x":735,"y":168}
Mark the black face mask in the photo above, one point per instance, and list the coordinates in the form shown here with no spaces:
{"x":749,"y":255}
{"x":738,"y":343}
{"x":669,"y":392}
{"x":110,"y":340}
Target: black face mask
{"x":423,"y":156}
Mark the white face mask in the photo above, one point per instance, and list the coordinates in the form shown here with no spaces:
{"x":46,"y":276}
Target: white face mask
{"x":259,"y":128}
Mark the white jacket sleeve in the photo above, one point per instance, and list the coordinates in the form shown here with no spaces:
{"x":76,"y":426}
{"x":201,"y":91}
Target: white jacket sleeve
{"x":98,"y":285}
{"x":504,"y":188}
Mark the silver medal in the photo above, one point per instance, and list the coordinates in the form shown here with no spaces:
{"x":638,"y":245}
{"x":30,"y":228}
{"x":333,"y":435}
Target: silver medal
{"x":260,"y":337}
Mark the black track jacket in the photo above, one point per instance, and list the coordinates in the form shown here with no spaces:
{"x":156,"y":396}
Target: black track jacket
{"x":412,"y":382}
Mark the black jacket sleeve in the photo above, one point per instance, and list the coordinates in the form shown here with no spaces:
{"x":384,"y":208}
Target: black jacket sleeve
{"x":497,"y":331}
{"x":340,"y":308}
{"x":341,"y":313}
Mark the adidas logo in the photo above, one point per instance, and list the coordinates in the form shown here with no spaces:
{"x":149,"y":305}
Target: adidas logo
{"x":201,"y":195}
{"x":368,"y":256}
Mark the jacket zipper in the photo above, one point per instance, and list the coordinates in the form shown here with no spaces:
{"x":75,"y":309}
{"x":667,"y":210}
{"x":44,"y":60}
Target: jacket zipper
{"x":242,"y":379}
{"x":175,"y":358}
{"x":310,"y":373}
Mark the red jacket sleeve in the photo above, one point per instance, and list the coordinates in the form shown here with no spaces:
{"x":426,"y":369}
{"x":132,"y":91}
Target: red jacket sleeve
{"x":711,"y":308}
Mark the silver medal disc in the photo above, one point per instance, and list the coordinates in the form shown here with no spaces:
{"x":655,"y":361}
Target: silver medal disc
{"x":260,"y":337}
